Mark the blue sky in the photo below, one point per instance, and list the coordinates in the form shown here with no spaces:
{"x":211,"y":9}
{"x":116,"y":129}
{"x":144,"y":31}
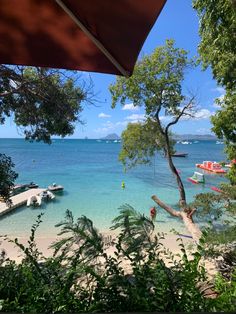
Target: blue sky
{"x":178,"y":21}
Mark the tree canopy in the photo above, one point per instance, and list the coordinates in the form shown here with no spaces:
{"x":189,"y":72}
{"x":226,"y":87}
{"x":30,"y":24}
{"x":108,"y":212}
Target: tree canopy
{"x":217,"y":30}
{"x":7,"y":176}
{"x":217,"y":49}
{"x":45,"y":102}
{"x":156,"y":84}
{"x":140,"y":141}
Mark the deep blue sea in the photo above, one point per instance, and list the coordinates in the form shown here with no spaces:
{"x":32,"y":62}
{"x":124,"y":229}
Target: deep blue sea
{"x":91,"y":175}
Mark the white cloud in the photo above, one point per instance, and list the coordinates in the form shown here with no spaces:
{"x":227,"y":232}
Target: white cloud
{"x":103,"y":115}
{"x":219,"y":89}
{"x":165,"y":118}
{"x":136,"y":117}
{"x":110,"y":126}
{"x":203,"y":114}
{"x":130,"y":107}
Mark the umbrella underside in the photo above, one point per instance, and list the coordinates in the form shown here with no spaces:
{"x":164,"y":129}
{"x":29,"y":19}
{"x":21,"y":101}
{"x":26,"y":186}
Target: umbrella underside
{"x":98,"y":36}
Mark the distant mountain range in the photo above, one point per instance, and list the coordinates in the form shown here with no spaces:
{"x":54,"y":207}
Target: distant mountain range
{"x":112,"y":136}
{"x":177,"y":137}
{"x":202,"y":137}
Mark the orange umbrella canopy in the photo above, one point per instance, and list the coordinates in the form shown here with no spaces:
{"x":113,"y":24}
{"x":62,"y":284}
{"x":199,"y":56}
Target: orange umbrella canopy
{"x":90,"y":35}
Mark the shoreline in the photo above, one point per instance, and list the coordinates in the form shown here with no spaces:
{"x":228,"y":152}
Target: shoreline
{"x":43,"y":244}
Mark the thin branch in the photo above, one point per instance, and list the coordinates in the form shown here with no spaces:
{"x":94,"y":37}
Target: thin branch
{"x":179,"y":116}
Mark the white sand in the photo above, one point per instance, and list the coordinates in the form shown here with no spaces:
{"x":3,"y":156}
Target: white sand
{"x":43,"y":244}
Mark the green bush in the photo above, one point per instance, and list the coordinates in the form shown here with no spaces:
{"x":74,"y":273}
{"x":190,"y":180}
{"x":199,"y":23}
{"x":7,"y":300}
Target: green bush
{"x":82,"y":277}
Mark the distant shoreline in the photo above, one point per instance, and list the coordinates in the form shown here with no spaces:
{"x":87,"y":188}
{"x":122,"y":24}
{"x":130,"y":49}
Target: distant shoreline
{"x":104,"y":139}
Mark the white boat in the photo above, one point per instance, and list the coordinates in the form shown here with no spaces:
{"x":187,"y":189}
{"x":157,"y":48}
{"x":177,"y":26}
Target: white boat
{"x":186,"y":142}
{"x":34,"y":200}
{"x":47,"y":195}
{"x":197,"y":178}
{"x":54,"y":187}
{"x":219,"y":142}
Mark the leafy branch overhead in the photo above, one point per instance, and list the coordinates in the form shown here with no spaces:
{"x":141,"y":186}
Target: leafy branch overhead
{"x":44,"y":102}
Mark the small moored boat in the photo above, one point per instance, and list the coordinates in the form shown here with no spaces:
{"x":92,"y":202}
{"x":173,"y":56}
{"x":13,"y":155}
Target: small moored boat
{"x":216,"y":189}
{"x":18,"y":188}
{"x":54,"y":187}
{"x":34,"y":200}
{"x":32,"y":185}
{"x":197,"y":178}
{"x":186,"y":142}
{"x":179,"y":155}
{"x":47,"y":195}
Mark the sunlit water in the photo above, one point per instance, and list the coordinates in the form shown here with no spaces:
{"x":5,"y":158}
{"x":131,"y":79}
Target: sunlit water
{"x":91,"y":175}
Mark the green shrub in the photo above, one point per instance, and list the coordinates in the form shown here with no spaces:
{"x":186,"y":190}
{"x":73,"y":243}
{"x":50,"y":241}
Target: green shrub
{"x":82,"y":277}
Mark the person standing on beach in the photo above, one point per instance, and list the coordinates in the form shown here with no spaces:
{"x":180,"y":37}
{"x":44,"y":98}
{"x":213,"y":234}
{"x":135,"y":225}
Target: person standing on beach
{"x":153,"y":213}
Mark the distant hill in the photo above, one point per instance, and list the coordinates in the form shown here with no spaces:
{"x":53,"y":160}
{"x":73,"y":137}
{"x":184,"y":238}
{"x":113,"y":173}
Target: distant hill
{"x":112,"y":136}
{"x":202,"y":137}
{"x":177,"y":137}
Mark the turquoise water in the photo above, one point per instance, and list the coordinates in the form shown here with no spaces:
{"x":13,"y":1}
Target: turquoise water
{"x":91,"y":175}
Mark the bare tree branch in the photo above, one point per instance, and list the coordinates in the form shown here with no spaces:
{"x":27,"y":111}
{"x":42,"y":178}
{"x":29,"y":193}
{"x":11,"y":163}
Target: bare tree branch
{"x":169,"y":209}
{"x":182,"y":112}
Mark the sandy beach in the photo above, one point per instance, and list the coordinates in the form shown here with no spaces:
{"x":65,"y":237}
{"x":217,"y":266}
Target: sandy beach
{"x":43,"y":244}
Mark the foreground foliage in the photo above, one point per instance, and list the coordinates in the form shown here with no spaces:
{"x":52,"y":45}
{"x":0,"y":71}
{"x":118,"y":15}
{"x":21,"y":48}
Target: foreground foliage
{"x":82,"y":277}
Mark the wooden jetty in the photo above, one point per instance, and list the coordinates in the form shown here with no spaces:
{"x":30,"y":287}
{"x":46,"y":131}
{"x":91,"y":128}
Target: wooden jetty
{"x":18,"y":200}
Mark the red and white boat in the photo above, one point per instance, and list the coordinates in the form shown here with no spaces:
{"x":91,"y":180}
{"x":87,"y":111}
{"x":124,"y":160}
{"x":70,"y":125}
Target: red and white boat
{"x":211,"y":166}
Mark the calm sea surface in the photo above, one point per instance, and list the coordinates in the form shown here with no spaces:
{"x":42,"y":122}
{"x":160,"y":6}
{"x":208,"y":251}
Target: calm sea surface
{"x":91,"y":175}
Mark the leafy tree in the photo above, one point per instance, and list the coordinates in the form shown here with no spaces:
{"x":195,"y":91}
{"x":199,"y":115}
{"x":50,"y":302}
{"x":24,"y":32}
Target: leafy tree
{"x":7,"y":176}
{"x":140,"y":141}
{"x":217,"y":26}
{"x":217,"y":49}
{"x":44,"y":102}
{"x":156,"y":84}
{"x":224,"y":125}
{"x":217,"y":29}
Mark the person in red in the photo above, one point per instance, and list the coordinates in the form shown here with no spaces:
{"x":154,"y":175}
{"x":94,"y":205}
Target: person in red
{"x":153,"y":213}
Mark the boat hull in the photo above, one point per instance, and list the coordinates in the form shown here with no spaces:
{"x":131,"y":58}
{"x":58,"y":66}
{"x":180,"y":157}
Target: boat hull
{"x":211,"y":170}
{"x":214,"y":188}
{"x":34,"y":200}
{"x":195,"y":181}
{"x":180,"y":155}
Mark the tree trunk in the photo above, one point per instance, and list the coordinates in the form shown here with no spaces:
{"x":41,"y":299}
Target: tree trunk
{"x":186,"y":217}
{"x":191,"y":226}
{"x":175,"y":172}
{"x":186,"y":212}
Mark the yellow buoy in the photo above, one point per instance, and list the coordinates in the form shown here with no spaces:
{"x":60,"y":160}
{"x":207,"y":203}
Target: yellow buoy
{"x":123,"y":184}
